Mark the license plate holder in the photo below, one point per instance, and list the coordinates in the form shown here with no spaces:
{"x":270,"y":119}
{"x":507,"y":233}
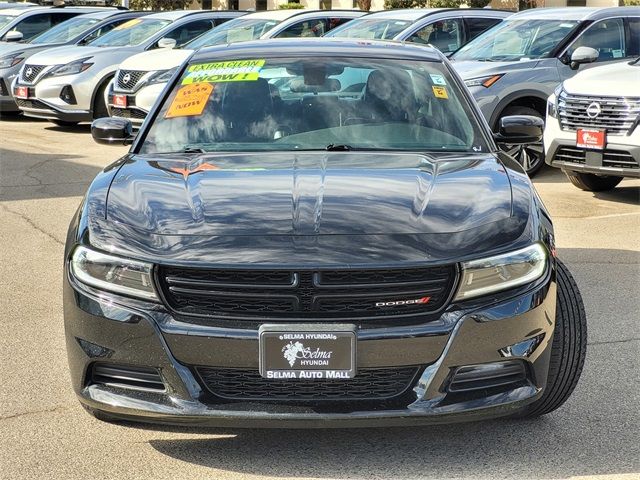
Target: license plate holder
{"x":120,"y":101}
{"x":21,"y":92}
{"x":591,"y":138}
{"x":314,"y":351}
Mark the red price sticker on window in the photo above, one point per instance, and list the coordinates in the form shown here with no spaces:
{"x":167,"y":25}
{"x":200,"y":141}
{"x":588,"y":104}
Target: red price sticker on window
{"x":190,"y":100}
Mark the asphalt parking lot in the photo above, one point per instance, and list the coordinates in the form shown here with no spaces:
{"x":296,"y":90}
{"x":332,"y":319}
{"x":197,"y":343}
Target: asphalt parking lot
{"x":44,"y":433}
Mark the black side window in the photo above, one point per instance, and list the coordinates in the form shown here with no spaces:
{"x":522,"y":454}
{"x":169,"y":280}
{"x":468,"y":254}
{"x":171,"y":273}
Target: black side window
{"x":60,"y":17}
{"x":307,"y":28}
{"x":606,"y":36}
{"x":475,"y":26}
{"x":189,"y":31}
{"x":34,"y":25}
{"x":634,"y":32}
{"x":334,"y":22}
{"x":445,"y":35}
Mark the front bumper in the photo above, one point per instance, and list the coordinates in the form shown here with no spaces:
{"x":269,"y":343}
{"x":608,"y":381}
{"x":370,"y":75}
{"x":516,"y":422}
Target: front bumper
{"x":47,"y":98}
{"x":138,"y":103}
{"x":105,"y":328}
{"x":621,"y":156}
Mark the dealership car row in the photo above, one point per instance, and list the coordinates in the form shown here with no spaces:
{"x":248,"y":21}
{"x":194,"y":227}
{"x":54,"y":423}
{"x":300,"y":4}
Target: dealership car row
{"x":76,"y":64}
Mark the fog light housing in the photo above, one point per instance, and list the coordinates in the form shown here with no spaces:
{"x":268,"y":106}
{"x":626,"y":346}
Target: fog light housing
{"x":67,"y":95}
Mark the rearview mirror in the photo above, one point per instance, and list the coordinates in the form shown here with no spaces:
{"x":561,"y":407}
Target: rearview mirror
{"x":167,"y":43}
{"x":112,"y":131}
{"x":519,"y":130}
{"x":13,"y":36}
{"x":583,"y":55}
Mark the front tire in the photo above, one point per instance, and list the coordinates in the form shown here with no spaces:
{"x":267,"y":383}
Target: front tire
{"x":568,"y":349}
{"x":593,"y":183}
{"x":531,"y":157}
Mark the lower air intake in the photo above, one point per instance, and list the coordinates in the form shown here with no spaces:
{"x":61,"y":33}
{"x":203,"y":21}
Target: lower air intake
{"x":140,"y":378}
{"x":489,"y":375}
{"x":368,"y":384}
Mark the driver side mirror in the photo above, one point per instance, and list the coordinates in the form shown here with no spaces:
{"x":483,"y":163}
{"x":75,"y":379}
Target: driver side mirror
{"x":519,"y":130}
{"x":112,"y":131}
{"x":583,"y":55}
{"x":167,"y":43}
{"x":13,"y":36}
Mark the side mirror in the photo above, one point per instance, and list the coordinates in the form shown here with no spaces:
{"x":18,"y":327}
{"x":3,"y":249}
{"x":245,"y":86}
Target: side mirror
{"x":519,"y":130}
{"x":583,"y":55}
{"x":13,"y":36}
{"x":167,"y":43}
{"x":112,"y":131}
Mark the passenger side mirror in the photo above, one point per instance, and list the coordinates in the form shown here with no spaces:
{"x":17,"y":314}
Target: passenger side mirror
{"x":583,"y":55}
{"x":112,"y":131}
{"x":167,"y":43}
{"x":519,"y":130}
{"x":13,"y":36}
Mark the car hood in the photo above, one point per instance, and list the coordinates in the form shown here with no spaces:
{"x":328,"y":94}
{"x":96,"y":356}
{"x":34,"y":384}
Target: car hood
{"x":160,"y":59}
{"x":473,"y":69}
{"x":71,"y":53}
{"x":620,"y":79}
{"x":311,"y":193}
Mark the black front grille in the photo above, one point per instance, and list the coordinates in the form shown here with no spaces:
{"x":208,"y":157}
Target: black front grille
{"x":610,"y":158}
{"x":31,"y":104}
{"x":128,"y":79}
{"x":128,"y":113}
{"x":31,"y":72}
{"x":618,"y":159}
{"x":368,"y":384}
{"x":295,"y":295}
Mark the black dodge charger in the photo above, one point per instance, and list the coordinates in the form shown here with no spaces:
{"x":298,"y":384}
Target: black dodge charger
{"x":316,"y":233}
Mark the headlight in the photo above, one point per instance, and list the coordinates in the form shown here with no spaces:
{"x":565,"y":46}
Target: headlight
{"x":552,"y":102}
{"x":111,"y":273}
{"x":11,"y":60}
{"x":502,"y":272}
{"x":72,"y":68}
{"x":161,"y":76}
{"x":485,"y":82}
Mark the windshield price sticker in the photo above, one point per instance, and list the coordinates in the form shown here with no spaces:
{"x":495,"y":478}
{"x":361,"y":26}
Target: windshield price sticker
{"x":232,"y":71}
{"x":440,"y":92}
{"x":437,"y":79}
{"x":190,"y":100}
{"x":129,"y":24}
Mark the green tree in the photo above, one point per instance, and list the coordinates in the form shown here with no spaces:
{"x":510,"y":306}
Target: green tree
{"x":478,"y":3}
{"x":159,"y":4}
{"x":388,"y":4}
{"x":364,"y":5}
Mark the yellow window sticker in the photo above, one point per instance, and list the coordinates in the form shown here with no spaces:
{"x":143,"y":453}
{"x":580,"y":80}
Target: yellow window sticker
{"x":231,"y":71}
{"x":440,"y":92}
{"x":129,"y":24}
{"x":190,"y":100}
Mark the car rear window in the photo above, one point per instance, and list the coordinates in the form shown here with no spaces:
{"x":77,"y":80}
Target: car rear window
{"x":293,"y":104}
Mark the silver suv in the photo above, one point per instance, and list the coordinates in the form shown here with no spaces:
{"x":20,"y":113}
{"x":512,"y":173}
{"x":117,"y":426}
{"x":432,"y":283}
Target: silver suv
{"x":67,"y":84}
{"x":514,"y":67}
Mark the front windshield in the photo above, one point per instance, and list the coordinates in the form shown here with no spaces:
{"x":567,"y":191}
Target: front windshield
{"x":297,"y":104}
{"x":237,"y":30}
{"x":130,"y":33}
{"x":5,"y":20}
{"x":515,"y":40}
{"x":381,"y":29}
{"x":65,"y":31}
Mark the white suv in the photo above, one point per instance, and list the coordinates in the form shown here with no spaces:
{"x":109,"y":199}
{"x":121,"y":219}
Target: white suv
{"x":141,"y":78}
{"x":592,"y":130}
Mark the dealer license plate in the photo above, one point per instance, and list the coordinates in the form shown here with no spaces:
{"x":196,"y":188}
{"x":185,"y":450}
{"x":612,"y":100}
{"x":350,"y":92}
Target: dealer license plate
{"x":21,"y":92}
{"x":591,"y":139}
{"x":313,"y":351}
{"x":119,"y":100}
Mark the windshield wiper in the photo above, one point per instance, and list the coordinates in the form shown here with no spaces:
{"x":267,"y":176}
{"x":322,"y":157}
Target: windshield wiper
{"x":332,"y":147}
{"x":193,"y":150}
